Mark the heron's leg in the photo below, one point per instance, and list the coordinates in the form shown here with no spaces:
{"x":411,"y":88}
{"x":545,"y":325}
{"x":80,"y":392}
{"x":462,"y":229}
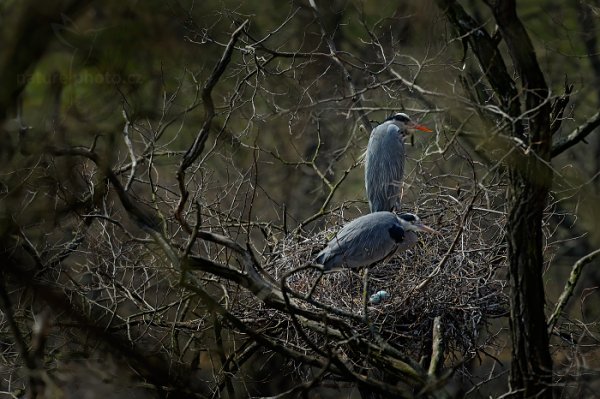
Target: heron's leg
{"x":398,"y":204}
{"x":365,"y":293}
{"x":353,"y":276}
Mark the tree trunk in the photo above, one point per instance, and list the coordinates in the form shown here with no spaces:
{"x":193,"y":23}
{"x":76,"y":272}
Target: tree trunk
{"x":531,"y":369}
{"x":530,"y":182}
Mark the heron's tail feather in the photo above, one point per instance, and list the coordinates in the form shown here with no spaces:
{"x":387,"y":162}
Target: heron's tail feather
{"x":324,"y":258}
{"x":320,"y":258}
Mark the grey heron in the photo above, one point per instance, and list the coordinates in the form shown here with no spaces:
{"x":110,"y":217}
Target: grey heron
{"x":384,"y":162}
{"x":371,"y":238}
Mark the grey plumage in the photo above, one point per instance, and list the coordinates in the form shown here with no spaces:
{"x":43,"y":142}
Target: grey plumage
{"x":384,"y":162}
{"x":369,"y":239}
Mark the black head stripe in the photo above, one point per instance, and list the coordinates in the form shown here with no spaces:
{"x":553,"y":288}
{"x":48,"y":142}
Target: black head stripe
{"x":409,"y":217}
{"x":400,"y":117}
{"x":397,"y":233}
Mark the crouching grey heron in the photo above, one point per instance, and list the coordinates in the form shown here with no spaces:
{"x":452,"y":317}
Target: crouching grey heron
{"x":371,"y":238}
{"x":384,"y":162}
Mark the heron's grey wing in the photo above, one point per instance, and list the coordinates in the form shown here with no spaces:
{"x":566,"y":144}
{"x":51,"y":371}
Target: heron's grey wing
{"x":374,"y":180}
{"x":373,"y":244}
{"x":338,"y":248}
{"x":384,"y":167}
{"x":363,"y":241}
{"x":394,"y":167}
{"x":329,"y":259}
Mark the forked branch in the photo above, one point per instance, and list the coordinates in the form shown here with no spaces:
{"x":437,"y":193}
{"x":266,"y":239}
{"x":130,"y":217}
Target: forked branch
{"x":197,"y":146}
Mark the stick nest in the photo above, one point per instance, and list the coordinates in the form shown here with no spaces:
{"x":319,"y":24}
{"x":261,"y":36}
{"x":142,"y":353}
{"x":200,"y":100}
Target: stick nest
{"x":466,"y":289}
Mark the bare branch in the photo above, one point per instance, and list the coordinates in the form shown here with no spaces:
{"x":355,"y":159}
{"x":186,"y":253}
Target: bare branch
{"x":437,"y":355}
{"x":129,"y":146}
{"x":197,"y":146}
{"x":567,"y":292}
{"x":7,"y":310}
{"x":486,"y":50}
{"x":209,"y":108}
{"x":558,"y":108}
{"x":90,"y":317}
{"x":576,"y":135}
{"x":443,"y":261}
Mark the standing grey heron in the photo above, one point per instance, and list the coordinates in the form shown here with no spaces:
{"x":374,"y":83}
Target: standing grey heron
{"x":371,"y":238}
{"x":384,"y":162}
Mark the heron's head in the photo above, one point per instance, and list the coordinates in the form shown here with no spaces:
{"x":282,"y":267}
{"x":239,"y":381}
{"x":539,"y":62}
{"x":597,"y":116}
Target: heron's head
{"x":411,"y":222}
{"x":405,"y":124}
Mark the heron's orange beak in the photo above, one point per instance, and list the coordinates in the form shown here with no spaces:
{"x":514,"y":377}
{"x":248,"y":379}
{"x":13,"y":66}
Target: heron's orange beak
{"x":421,"y":128}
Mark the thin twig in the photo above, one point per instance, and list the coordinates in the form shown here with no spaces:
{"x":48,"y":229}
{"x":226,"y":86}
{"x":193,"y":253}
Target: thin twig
{"x":7,"y":309}
{"x":442,"y":262}
{"x":197,"y":146}
{"x":129,"y":146}
{"x":356,"y":98}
